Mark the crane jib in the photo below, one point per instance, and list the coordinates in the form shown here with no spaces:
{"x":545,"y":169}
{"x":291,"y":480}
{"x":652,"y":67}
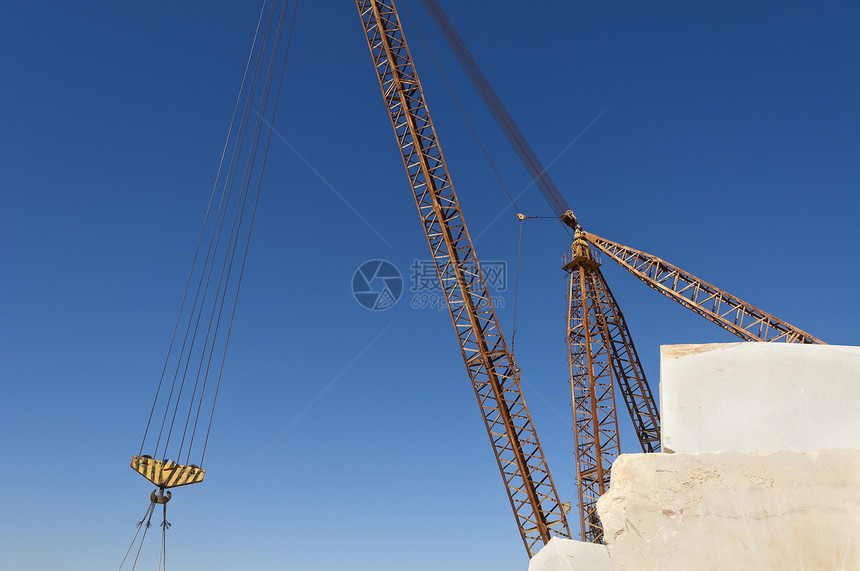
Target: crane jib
{"x":494,"y":376}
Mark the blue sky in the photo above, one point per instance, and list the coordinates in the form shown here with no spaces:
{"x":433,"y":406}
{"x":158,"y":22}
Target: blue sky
{"x":728,"y":145}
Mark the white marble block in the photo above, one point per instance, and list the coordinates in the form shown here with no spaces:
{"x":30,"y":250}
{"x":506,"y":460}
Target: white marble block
{"x":759,"y":396}
{"x":732,"y":510}
{"x":568,"y":555}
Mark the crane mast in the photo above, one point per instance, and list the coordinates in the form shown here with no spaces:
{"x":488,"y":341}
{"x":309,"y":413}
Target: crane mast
{"x":491,"y":369}
{"x":600,"y":355}
{"x":627,"y":368}
{"x":592,"y":386}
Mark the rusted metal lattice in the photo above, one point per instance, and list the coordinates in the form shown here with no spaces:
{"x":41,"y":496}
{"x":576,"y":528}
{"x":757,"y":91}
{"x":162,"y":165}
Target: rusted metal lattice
{"x":717,"y":306}
{"x":494,"y":376}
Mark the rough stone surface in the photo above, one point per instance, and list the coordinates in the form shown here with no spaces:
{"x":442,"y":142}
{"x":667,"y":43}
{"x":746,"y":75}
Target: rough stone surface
{"x":732,"y":510}
{"x":759,"y":396}
{"x":567,"y":555}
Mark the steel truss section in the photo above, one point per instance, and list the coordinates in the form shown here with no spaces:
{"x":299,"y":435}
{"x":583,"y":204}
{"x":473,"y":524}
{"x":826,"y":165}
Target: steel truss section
{"x":601,"y":349}
{"x":591,"y":383}
{"x":632,"y":383}
{"x":729,"y":312}
{"x":493,"y":374}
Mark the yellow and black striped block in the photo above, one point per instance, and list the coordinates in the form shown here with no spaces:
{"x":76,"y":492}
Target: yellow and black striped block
{"x":167,"y":473}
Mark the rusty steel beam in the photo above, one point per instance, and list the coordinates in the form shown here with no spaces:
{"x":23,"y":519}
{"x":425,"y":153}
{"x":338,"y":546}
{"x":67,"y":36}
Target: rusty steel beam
{"x":601,"y":349}
{"x":726,"y":310}
{"x":595,"y":422}
{"x":491,"y":369}
{"x":629,"y":374}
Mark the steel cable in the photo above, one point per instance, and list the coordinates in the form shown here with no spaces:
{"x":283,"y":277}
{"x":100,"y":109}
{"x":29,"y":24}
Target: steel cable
{"x":251,"y":225}
{"x":216,"y":238}
{"x":217,"y":281}
{"x":497,"y":109}
{"x":462,"y":111}
{"x":139,"y":524}
{"x":143,"y":537}
{"x":203,"y":229}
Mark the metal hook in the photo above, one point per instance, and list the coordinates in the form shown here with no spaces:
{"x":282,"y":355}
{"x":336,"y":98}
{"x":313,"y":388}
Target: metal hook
{"x":160,"y":497}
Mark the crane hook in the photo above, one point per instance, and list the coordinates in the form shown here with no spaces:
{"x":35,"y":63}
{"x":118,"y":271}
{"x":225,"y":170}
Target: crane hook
{"x":160,"y":497}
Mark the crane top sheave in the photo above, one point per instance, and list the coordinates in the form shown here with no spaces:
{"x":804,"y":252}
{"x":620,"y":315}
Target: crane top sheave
{"x":569,"y":220}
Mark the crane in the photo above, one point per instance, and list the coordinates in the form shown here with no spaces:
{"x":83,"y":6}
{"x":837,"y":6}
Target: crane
{"x":600,"y":348}
{"x":494,"y":376}
{"x":600,"y":351}
{"x":601,"y":354}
